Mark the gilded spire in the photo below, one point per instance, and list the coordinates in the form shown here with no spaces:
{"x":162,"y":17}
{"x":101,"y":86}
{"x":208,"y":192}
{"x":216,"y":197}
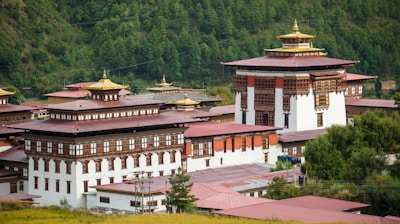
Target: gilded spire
{"x":295,"y":27}
{"x":104,"y":74}
{"x":105,"y":84}
{"x":164,"y":82}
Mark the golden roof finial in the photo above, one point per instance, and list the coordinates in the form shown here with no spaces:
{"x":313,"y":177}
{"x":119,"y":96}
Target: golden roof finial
{"x":186,"y":101}
{"x":295,"y":26}
{"x":104,"y":74}
{"x":105,"y":84}
{"x":163,"y":82}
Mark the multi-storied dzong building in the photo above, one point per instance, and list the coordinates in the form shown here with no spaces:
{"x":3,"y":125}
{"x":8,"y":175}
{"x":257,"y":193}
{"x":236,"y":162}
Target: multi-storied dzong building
{"x":295,"y":87}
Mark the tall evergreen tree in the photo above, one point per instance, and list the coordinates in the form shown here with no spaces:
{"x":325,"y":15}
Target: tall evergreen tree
{"x":179,"y":196}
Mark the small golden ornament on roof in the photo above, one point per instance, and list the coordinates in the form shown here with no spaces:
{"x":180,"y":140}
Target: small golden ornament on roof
{"x":164,"y":83}
{"x":105,"y":84}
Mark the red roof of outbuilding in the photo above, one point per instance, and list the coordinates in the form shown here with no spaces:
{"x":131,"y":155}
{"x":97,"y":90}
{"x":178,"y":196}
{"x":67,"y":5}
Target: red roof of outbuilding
{"x":81,"y":105}
{"x":330,"y":204}
{"x":75,"y":127}
{"x":212,"y":196}
{"x":373,"y":103}
{"x":4,"y":108}
{"x":220,"y":128}
{"x":14,"y":154}
{"x":354,"y":77}
{"x":18,"y":196}
{"x":227,"y":109}
{"x":297,"y":136}
{"x":274,"y":210}
{"x":289,"y":62}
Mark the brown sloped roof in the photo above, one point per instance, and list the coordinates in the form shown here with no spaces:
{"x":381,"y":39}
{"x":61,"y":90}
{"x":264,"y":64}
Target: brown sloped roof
{"x":373,"y":103}
{"x":82,"y":105}
{"x":274,"y":210}
{"x":297,"y":136}
{"x":14,"y":108}
{"x":354,"y":77}
{"x":289,"y":62}
{"x":220,"y":128}
{"x":213,"y":196}
{"x":75,"y":127}
{"x":14,"y":154}
{"x":316,"y":202}
{"x":227,"y":109}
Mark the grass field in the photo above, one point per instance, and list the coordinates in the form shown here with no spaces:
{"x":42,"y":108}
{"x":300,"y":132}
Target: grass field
{"x":15,"y":213}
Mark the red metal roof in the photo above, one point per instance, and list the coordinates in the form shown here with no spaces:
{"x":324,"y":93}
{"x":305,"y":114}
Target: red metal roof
{"x":373,"y":103}
{"x":18,"y":196}
{"x":14,"y":108}
{"x":289,"y":62}
{"x":14,"y":154}
{"x":331,"y":204}
{"x":242,"y":177}
{"x":74,"y":127}
{"x":220,"y":128}
{"x":228,"y":109}
{"x":355,"y":77}
{"x":9,"y":131}
{"x":212,"y":196}
{"x":82,"y":105}
{"x":297,"y":136}
{"x":274,"y":210}
{"x":80,"y":93}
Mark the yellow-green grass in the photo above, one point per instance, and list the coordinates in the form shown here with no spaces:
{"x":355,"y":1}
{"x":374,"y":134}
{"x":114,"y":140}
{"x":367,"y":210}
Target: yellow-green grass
{"x":54,"y":214}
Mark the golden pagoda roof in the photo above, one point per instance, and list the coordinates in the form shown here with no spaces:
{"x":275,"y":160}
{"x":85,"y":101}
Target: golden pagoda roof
{"x":6,"y":93}
{"x":105,"y":84}
{"x":163,"y":83}
{"x":296,"y":33}
{"x":186,"y":101}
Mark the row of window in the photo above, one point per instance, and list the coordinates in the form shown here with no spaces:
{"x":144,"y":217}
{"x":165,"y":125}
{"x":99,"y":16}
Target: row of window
{"x":320,"y":119}
{"x":47,"y":184}
{"x":106,"y":146}
{"x":20,"y":170}
{"x":293,"y":151}
{"x":111,"y":163}
{"x":355,"y":90}
{"x":134,"y":203}
{"x":82,"y":117}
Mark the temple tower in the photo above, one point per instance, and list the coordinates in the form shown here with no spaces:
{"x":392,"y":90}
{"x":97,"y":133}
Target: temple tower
{"x":295,"y":87}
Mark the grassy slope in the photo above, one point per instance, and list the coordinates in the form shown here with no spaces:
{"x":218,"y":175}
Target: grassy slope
{"x":55,"y":215}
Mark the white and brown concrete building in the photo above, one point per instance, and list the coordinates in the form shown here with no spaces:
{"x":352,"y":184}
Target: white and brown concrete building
{"x":295,"y":87}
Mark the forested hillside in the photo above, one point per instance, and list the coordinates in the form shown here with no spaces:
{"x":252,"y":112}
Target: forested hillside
{"x":45,"y":44}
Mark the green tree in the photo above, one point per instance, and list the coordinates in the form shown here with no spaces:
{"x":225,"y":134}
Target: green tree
{"x":179,"y":194}
{"x":224,"y":93}
{"x":323,"y":161}
{"x":281,"y":189}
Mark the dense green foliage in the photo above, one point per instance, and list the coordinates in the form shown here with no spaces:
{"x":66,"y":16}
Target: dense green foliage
{"x":45,"y":44}
{"x":281,"y":189}
{"x":357,"y":154}
{"x":357,"y":151}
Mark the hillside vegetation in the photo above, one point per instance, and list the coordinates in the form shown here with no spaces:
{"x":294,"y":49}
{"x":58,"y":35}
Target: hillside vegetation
{"x":45,"y":44}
